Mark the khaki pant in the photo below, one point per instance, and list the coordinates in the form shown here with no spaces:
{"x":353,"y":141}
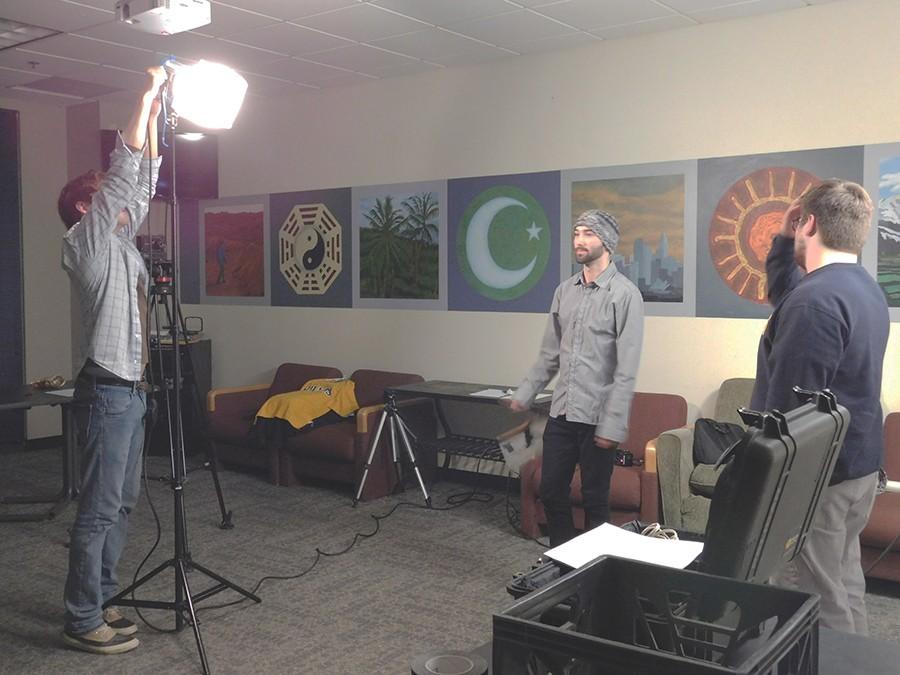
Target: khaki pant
{"x":829,"y":563}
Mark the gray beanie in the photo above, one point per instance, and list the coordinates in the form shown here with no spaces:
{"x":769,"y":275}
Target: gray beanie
{"x":603,"y":225}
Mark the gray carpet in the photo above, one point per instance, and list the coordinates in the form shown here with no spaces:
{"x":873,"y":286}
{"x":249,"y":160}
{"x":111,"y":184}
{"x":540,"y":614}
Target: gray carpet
{"x":426,"y":580}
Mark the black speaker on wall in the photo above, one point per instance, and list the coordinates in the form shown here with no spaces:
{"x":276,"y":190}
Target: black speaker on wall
{"x":196,"y":164}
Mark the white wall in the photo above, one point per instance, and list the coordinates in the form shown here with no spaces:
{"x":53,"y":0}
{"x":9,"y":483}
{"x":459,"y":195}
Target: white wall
{"x":821,"y":76}
{"x":816,"y":77}
{"x":47,"y":336}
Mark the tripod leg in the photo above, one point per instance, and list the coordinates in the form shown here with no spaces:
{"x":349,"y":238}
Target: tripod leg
{"x":395,"y":422}
{"x":212,"y":458}
{"x":362,"y":482}
{"x":182,"y":582}
{"x":412,"y":459}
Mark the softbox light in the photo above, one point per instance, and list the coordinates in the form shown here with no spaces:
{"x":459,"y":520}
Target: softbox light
{"x":208,"y":94}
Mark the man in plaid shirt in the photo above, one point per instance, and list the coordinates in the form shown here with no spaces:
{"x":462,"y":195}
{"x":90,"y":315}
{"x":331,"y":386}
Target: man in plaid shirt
{"x":102,"y":214}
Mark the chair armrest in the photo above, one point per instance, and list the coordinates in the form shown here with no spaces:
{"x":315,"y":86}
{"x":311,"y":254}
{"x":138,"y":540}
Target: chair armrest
{"x":650,"y":456}
{"x":674,"y":460}
{"x":365,"y":417}
{"x":245,"y":397}
{"x":521,"y":427}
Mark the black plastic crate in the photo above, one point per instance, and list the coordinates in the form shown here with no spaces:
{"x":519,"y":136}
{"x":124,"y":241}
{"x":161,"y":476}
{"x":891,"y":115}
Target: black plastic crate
{"x":616,"y":616}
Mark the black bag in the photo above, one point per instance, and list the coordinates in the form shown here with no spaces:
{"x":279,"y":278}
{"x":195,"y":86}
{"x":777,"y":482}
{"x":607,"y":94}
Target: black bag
{"x":712,"y":438}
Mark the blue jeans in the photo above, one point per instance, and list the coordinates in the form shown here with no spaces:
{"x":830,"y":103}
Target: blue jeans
{"x":110,"y":423}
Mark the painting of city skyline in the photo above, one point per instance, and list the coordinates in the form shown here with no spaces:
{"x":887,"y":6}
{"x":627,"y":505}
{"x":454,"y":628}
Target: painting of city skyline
{"x":650,"y":213}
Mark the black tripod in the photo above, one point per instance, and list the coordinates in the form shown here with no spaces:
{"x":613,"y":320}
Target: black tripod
{"x":161,"y":295}
{"x":391,"y":414}
{"x":182,"y":563}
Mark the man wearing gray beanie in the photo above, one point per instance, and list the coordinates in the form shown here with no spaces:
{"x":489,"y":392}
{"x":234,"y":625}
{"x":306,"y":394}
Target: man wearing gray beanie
{"x":593,"y":341}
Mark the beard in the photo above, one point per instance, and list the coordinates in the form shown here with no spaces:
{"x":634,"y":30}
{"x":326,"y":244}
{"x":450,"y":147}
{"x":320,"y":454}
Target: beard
{"x":585,"y":256}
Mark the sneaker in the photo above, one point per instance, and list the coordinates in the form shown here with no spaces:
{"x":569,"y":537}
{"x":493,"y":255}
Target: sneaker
{"x":102,"y":640}
{"x":119,"y":623}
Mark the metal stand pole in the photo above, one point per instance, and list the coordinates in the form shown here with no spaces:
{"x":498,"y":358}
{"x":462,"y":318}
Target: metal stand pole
{"x":181,"y":562}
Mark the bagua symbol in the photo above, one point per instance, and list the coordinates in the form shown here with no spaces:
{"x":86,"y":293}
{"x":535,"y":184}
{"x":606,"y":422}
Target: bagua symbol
{"x":503,"y":243}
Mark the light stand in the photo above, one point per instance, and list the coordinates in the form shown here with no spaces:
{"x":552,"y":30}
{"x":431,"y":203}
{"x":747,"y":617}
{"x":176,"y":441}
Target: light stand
{"x":181,"y":562}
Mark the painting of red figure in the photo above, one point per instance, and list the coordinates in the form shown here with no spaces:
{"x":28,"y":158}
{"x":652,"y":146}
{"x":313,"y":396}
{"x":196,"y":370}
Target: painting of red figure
{"x":235,"y":251}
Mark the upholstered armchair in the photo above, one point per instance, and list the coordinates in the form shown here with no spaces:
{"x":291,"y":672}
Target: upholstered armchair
{"x":633,"y":489}
{"x":231,"y":411}
{"x":686,"y":490}
{"x":884,"y":522}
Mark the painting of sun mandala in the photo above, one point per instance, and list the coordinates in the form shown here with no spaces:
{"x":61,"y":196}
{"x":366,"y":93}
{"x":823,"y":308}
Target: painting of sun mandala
{"x":746,"y":218}
{"x":740,"y":204}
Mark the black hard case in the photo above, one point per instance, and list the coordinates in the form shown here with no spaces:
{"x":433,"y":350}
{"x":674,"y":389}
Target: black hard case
{"x":765,"y":499}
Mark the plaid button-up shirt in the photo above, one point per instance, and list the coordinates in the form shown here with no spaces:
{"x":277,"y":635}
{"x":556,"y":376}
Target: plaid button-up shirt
{"x":593,"y":340}
{"x":106,"y":267}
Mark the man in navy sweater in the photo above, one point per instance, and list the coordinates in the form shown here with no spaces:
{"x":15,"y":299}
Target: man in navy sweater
{"x":829,"y":328}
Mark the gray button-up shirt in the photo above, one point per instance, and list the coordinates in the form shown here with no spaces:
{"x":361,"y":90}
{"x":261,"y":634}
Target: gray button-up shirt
{"x":593,"y":340}
{"x":107,"y":269}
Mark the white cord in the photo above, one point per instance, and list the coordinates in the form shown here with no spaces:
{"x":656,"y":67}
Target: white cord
{"x":656,"y":530}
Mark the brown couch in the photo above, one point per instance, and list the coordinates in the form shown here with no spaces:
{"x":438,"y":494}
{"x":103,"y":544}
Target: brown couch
{"x":634,"y":490}
{"x":231,"y":412}
{"x":884,"y":522}
{"x":338,"y":452}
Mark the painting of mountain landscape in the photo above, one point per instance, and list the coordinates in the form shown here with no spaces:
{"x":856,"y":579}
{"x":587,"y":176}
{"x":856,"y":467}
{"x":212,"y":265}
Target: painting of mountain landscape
{"x":889,"y":230}
{"x":234,"y":247}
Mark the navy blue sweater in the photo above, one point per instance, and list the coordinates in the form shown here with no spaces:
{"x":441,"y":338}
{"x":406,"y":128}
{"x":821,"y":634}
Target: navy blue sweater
{"x":829,"y":328}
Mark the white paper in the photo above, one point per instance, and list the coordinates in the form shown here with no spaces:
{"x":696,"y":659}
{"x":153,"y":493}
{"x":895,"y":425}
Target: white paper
{"x":611,"y":540}
{"x":492,"y":393}
{"x":541,"y":397}
{"x":61,"y":392}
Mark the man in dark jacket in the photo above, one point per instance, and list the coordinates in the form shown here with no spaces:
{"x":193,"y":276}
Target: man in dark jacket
{"x":829,"y":329}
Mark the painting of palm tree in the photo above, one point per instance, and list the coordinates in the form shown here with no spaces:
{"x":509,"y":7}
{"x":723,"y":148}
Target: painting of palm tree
{"x":398,"y":243}
{"x":421,"y":224}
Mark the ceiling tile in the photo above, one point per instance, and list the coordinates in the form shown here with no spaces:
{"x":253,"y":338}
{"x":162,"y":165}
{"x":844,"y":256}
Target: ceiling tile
{"x":642,"y":27}
{"x":63,"y":16}
{"x":29,"y":60}
{"x":360,"y":58}
{"x":476,"y":55}
{"x":409,"y":68}
{"x":118,"y":78}
{"x":428,"y":44}
{"x":744,"y":9}
{"x":442,"y":12}
{"x":69,"y":88}
{"x":344,"y":80}
{"x":260,"y":85}
{"x":518,"y":26}
{"x":290,"y":39}
{"x":97,"y":51}
{"x":288,"y":9}
{"x":362,"y":23}
{"x":588,"y":14}
{"x":559,"y":42}
{"x":239,"y":57}
{"x":10,"y":77}
{"x":227,"y":20}
{"x":298,"y":70}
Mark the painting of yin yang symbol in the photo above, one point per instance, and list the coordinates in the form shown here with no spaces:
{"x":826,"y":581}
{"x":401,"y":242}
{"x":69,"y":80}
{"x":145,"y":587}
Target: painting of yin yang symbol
{"x":309,"y":246}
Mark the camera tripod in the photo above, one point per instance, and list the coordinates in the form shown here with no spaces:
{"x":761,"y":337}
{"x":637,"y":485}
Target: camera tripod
{"x":391,"y":415}
{"x":181,"y":562}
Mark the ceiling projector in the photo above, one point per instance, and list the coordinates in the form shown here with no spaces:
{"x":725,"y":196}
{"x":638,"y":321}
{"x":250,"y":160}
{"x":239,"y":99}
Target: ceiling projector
{"x":164,"y":17}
